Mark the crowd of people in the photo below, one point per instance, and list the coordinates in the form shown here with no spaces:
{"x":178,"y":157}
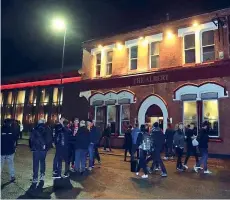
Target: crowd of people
{"x":148,"y":143}
{"x":77,"y":140}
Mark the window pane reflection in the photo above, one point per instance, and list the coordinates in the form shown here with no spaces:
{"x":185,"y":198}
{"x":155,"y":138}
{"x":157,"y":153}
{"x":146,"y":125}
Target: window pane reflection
{"x":190,"y":113}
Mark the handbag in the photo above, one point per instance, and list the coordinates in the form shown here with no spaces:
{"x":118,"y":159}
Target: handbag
{"x":195,"y":142}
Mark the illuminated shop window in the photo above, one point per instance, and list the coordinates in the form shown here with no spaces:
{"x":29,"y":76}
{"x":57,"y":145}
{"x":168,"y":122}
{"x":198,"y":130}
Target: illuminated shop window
{"x":109,"y":58}
{"x":1,"y":99}
{"x":133,"y":53}
{"x":111,"y":117}
{"x":100,"y":117}
{"x":208,"y":46}
{"x":189,"y":48}
{"x":44,"y":98}
{"x":125,"y":118}
{"x":190,"y":113}
{"x":154,"y":54}
{"x":57,"y":96}
{"x":211,"y":114}
{"x":32,"y":97}
{"x":21,"y":97}
{"x":10,"y":99}
{"x":19,"y":112}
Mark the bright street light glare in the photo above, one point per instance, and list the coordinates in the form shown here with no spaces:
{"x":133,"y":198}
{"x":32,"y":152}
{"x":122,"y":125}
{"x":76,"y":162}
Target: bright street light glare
{"x":58,"y":24}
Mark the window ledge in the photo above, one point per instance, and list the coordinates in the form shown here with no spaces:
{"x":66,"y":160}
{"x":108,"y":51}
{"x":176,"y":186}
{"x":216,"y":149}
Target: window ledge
{"x":217,"y":139}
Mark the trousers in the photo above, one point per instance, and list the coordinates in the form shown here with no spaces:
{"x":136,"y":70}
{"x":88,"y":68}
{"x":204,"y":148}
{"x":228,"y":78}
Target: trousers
{"x":10,"y":161}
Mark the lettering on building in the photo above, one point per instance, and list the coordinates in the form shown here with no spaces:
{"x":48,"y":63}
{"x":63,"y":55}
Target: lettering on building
{"x":150,"y":79}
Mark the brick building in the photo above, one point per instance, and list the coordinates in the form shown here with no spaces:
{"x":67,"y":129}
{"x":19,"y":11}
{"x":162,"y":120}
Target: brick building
{"x":177,"y":71}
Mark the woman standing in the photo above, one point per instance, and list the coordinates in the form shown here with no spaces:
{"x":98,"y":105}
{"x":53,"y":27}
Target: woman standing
{"x":144,"y":144}
{"x":128,"y":141}
{"x":179,"y":142}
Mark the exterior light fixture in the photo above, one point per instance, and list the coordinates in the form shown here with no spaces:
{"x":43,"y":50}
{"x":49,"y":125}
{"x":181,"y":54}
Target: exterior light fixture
{"x":145,"y":42}
{"x":100,"y":46}
{"x":119,"y":46}
{"x":169,"y":34}
{"x":195,"y":24}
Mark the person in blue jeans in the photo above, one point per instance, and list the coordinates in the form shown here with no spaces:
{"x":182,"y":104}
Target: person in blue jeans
{"x":203,"y":139}
{"x":81,"y":147}
{"x":8,"y":145}
{"x":39,"y":144}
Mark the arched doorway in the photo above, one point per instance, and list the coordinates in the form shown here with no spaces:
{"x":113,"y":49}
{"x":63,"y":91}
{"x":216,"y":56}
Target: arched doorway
{"x":153,"y":108}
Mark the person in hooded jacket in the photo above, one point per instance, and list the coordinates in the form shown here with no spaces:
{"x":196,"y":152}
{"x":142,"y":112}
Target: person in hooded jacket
{"x":81,"y":146}
{"x":39,"y":145}
{"x":158,"y":139}
{"x":179,"y":143}
{"x":169,"y":133}
{"x":61,"y":140}
{"x":203,"y":140}
{"x":8,"y":146}
{"x":128,"y":142}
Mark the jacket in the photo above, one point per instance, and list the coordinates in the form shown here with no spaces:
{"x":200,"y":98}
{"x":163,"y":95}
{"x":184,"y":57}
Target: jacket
{"x":169,"y":133}
{"x":128,"y":139}
{"x":144,"y":141}
{"x":179,"y":138}
{"x":72,"y":137}
{"x":189,"y":134}
{"x":203,"y":138}
{"x":135,"y":133}
{"x":39,"y":140}
{"x":107,"y":132}
{"x":61,"y":138}
{"x":158,"y":139}
{"x":94,"y":135}
{"x":8,"y":139}
{"x":82,"y":138}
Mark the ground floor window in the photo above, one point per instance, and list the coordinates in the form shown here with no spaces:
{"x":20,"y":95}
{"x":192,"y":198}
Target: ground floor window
{"x":111,"y":117}
{"x":19,"y":112}
{"x":190,"y":113}
{"x":125,"y":118}
{"x":100,"y":117}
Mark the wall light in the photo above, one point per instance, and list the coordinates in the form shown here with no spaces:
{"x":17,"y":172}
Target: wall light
{"x":100,"y":46}
{"x":169,"y":34}
{"x":195,"y":24}
{"x":119,"y":46}
{"x":141,"y":38}
{"x":145,"y":42}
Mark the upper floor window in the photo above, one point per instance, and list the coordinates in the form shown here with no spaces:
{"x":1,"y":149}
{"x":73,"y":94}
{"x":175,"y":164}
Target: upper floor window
{"x":98,"y":64}
{"x":57,"y":96}
{"x":44,"y":99}
{"x":154,"y":55}
{"x":189,"y":48}
{"x":208,"y":46}
{"x":10,"y":98}
{"x":1,"y":99}
{"x":32,"y":97}
{"x":109,"y":62}
{"x":21,"y":97}
{"x":133,"y":57}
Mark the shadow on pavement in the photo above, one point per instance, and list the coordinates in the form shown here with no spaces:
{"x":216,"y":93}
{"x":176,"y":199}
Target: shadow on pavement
{"x":5,"y":184}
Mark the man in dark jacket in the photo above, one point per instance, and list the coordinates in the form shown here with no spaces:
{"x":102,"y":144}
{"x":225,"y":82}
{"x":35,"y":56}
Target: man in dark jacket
{"x":203,"y":140}
{"x":8,"y":143}
{"x":61,"y":140}
{"x":39,"y":145}
{"x":169,"y":133}
{"x":107,"y":134}
{"x":82,"y":144}
{"x":158,"y":140}
{"x":190,"y":134}
{"x":128,"y":142}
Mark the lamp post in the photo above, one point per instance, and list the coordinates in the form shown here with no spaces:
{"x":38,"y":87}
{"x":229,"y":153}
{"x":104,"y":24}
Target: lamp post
{"x":59,"y":24}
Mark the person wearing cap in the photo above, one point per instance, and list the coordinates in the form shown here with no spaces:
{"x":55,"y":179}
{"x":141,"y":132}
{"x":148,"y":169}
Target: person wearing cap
{"x":203,"y":139}
{"x":39,"y":145}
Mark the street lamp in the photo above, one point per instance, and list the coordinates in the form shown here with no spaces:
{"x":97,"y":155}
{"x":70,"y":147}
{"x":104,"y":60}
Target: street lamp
{"x":60,"y":25}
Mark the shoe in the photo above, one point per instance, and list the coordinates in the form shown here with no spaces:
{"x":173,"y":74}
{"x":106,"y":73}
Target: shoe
{"x":157,"y":169}
{"x":171,"y":158}
{"x":164,"y":175}
{"x":90,"y":169}
{"x":185,"y":166}
{"x":179,"y":169}
{"x":165,"y":158}
{"x":66,"y":175}
{"x":201,"y":168}
{"x":93,"y":166}
{"x":12,"y":179}
{"x":207,"y":172}
{"x":108,"y":150}
{"x":56,"y":176}
{"x":42,"y":177}
{"x":195,"y":169}
{"x":137,"y":173}
{"x":34,"y":180}
{"x":54,"y":173}
{"x":145,"y":176}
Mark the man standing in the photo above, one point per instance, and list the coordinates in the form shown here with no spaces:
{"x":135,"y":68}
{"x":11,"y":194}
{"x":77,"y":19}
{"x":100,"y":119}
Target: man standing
{"x":39,"y":146}
{"x":8,"y":143}
{"x":135,"y":132}
{"x":107,"y":134}
{"x":169,"y":133}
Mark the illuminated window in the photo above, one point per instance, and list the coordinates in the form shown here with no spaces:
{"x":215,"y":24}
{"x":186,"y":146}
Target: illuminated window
{"x":208,"y":46}
{"x":32,"y":97}
{"x":189,"y":48}
{"x":44,"y":99}
{"x":109,"y":58}
{"x":211,"y":114}
{"x":154,"y":55}
{"x":190,"y":113}
{"x":19,"y":112}
{"x":98,"y":64}
{"x":100,"y":117}
{"x":57,"y":96}
{"x":125,"y":118}
{"x":133,"y":52}
{"x":10,"y":98}
{"x":21,"y":97}
{"x":1,"y":99}
{"x":111,"y":117}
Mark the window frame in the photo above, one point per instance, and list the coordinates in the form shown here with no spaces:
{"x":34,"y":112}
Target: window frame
{"x":195,"y":47}
{"x":130,"y":59}
{"x":108,"y":63}
{"x":201,"y":45}
{"x":121,"y":105}
{"x":155,"y":55}
{"x":218,"y":115}
{"x":96,"y":64}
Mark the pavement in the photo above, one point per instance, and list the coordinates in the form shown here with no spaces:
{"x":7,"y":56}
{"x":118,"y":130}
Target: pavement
{"x":113,"y":179}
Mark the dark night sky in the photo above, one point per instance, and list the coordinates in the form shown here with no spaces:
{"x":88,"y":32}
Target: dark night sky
{"x":29,"y":45}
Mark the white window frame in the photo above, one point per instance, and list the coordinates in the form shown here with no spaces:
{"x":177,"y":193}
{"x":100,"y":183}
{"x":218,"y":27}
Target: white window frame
{"x":121,"y":119}
{"x":218,"y":115}
{"x":189,"y":33}
{"x":201,"y":45}
{"x":155,"y":55}
{"x":96,"y":64}
{"x":107,"y":62}
{"x":95,"y":112}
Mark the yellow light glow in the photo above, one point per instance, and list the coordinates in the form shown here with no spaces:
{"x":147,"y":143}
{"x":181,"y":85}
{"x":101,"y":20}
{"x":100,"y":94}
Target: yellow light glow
{"x":119,"y":46}
{"x":169,"y":35}
{"x":145,"y":42}
{"x":141,"y":38}
{"x":100,"y":46}
{"x":59,"y":24}
{"x":195,"y":24}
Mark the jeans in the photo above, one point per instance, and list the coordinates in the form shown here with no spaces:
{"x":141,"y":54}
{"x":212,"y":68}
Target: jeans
{"x":10,"y":160}
{"x":96,"y":154}
{"x":191,"y":150}
{"x":126,"y":151}
{"x":204,"y":158}
{"x":134,"y":150}
{"x":71,"y":154}
{"x":158,"y":161}
{"x":179,"y":152}
{"x":80,"y":159}
{"x":142,"y":161}
{"x":39,"y":158}
{"x":168,"y":150}
{"x":154,"y":164}
{"x":107,"y":143}
{"x":60,"y":155}
{"x":91,"y":154}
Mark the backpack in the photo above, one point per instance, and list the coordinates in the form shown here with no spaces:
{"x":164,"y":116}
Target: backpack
{"x":146,"y":145}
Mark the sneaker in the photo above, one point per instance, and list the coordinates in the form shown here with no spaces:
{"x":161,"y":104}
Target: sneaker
{"x":164,"y":175}
{"x":12,"y":179}
{"x":145,"y":176}
{"x":207,"y":172}
{"x":185,"y":166}
{"x":108,"y":150}
{"x":93,"y":166}
{"x":157,"y":169}
{"x":201,"y":168}
{"x":56,"y":176}
{"x":90,"y":168}
{"x":34,"y":180}
{"x":165,"y":158}
{"x":171,"y":158}
{"x":54,"y":173}
{"x":195,"y":169}
{"x":137,"y":173}
{"x":42,"y":177}
{"x":179,"y":169}
{"x":66,"y":175}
